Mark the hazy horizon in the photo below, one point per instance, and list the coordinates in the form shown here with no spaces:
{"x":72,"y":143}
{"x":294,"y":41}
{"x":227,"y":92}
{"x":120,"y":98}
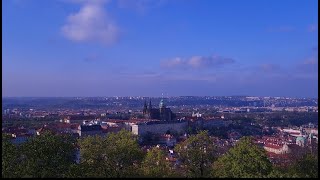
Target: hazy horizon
{"x":153,"y":96}
{"x":99,"y":48}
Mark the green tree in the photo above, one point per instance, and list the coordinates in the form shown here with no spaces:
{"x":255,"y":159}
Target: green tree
{"x":197,"y":153}
{"x":306,"y":167}
{"x":278,"y":172}
{"x":117,"y":155}
{"x":47,"y":155}
{"x":123,"y":154}
{"x":92,"y":162}
{"x":244,"y":160}
{"x":9,"y":158}
{"x":81,"y":170}
{"x":156,"y":165}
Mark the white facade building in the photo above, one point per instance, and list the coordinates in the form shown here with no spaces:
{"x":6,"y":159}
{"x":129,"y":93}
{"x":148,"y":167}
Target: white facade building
{"x":159,"y":127}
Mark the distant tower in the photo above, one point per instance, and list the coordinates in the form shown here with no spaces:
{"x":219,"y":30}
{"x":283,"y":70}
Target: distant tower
{"x":150,"y":106}
{"x":145,"y":107}
{"x":161,"y":104}
{"x":163,"y":111}
{"x":310,"y":142}
{"x":310,"y":138}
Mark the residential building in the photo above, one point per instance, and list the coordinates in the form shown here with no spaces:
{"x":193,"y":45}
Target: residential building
{"x":90,"y":130}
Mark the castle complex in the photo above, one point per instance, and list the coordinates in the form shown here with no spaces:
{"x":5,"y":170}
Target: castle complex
{"x":163,"y":113}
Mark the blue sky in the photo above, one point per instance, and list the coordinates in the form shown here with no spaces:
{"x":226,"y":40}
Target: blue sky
{"x":150,"y":47}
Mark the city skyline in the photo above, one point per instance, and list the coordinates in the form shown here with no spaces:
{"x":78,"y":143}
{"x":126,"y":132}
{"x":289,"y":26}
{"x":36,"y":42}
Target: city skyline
{"x":90,"y":48}
{"x":157,"y":97}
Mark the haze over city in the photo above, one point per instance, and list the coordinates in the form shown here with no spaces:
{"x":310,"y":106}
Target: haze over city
{"x":146,"y":48}
{"x":160,"y":89}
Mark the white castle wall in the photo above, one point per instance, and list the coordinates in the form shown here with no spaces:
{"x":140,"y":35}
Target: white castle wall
{"x":140,"y":129}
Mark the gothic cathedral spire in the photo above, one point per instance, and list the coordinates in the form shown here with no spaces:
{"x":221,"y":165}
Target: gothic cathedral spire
{"x":150,"y":106}
{"x":145,"y":107}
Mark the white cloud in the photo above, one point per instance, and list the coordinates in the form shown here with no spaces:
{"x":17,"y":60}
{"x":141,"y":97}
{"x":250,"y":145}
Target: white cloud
{"x":91,"y":23}
{"x":197,"y":62}
{"x":174,"y":62}
{"x":87,"y":1}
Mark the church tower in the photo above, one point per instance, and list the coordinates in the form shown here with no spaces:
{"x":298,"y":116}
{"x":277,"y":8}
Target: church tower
{"x":145,"y":107}
{"x":161,"y":104}
{"x":150,"y":106}
{"x":162,"y":109}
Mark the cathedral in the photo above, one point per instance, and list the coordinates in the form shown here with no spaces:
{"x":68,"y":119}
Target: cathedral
{"x":163,"y":113}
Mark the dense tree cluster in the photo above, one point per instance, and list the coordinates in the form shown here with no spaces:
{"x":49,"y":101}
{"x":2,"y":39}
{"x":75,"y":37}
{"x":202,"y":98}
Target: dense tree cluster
{"x":47,"y":155}
{"x":283,"y":118}
{"x":243,"y":160}
{"x":156,"y":165}
{"x":119,"y":155}
{"x":197,"y":154}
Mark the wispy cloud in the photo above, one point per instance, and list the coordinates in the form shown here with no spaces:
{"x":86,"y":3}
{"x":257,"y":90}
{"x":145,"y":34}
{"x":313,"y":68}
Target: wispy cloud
{"x":192,"y":77}
{"x":309,"y":66}
{"x":269,"y":68}
{"x":312,"y":28}
{"x":91,"y":23}
{"x":162,"y":77}
{"x":311,"y":61}
{"x":195,"y":62}
{"x":141,"y":5}
{"x":281,"y":29}
{"x":142,"y":76}
{"x":88,"y":1}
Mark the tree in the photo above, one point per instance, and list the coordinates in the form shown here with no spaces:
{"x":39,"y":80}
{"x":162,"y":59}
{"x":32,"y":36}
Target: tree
{"x":306,"y":167}
{"x":156,"y":165}
{"x":92,"y":162}
{"x":9,"y":158}
{"x":123,"y":154}
{"x":197,"y":153}
{"x":47,"y":155}
{"x":244,"y":160}
{"x":280,"y":172}
{"x":117,"y":155}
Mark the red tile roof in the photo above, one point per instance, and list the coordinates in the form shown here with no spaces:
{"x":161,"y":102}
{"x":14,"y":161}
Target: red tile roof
{"x":274,"y":146}
{"x":63,"y":125}
{"x":274,"y":155}
{"x":297,"y":133}
{"x":129,"y":121}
